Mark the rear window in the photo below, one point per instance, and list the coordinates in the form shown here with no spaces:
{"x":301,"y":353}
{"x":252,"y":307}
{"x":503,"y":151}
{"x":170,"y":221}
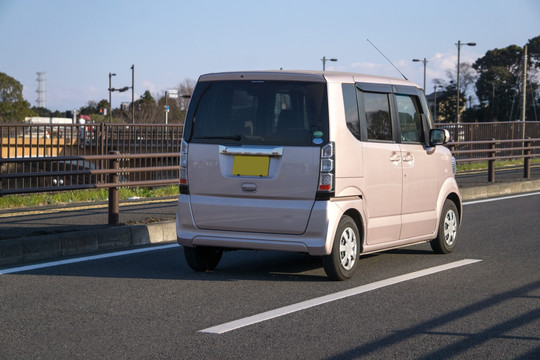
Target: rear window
{"x":259,"y":113}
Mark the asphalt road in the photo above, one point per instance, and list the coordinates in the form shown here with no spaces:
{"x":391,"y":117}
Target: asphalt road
{"x":150,"y":305}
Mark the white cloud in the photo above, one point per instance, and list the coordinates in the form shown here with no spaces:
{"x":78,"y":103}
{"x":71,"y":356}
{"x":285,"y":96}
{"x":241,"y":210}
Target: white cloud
{"x":148,"y":85}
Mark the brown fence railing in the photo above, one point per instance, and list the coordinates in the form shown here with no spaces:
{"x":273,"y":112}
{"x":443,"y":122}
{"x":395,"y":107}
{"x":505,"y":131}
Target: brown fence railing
{"x":70,"y":156}
{"x":507,"y":130}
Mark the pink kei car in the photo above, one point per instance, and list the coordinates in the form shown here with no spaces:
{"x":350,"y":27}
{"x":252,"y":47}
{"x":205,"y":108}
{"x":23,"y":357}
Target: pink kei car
{"x":331,"y":164}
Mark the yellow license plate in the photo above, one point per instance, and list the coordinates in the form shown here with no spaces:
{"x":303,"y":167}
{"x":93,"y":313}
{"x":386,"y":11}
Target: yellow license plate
{"x":245,"y":165}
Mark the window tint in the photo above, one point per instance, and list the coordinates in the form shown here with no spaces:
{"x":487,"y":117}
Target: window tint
{"x":351,"y":109}
{"x":410,"y":119}
{"x":260,"y":112}
{"x":379,"y":123}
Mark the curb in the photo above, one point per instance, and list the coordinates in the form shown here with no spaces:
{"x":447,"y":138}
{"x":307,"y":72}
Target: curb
{"x":54,"y":246}
{"x":499,"y":189}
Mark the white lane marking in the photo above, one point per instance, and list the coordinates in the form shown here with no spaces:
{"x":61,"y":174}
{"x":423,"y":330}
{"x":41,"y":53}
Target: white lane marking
{"x":500,"y":198}
{"x":268,"y":315}
{"x":85,"y":258}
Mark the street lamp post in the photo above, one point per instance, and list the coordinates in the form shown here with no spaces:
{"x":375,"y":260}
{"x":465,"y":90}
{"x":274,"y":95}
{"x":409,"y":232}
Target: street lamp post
{"x":133,"y":94}
{"x":110,"y":91}
{"x":425,"y":64}
{"x":459,"y":45}
{"x":324,"y":60}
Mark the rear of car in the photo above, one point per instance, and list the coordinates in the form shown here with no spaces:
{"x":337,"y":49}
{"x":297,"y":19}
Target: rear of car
{"x":329,"y":164}
{"x":251,"y":163}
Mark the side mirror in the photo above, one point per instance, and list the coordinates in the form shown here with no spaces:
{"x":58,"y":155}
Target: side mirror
{"x":438,"y":137}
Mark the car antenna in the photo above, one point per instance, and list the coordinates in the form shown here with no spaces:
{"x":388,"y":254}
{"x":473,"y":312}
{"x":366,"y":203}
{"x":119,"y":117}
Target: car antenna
{"x":388,"y":60}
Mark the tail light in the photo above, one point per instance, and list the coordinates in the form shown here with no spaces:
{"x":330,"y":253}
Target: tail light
{"x":325,"y":188}
{"x":184,"y":182}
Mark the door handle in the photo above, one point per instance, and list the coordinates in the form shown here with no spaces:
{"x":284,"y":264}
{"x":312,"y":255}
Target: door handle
{"x":394,"y":157}
{"x":408,"y":158}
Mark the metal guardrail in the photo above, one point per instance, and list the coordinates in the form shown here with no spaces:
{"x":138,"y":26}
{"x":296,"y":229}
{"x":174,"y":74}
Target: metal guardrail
{"x":116,"y":174}
{"x":495,"y":150}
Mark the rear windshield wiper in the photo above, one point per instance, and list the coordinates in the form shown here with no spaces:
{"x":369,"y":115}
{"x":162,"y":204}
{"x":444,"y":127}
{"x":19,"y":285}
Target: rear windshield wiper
{"x":234,"y":137}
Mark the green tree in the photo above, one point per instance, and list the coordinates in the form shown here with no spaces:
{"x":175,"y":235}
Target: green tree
{"x":534,"y":51}
{"x":498,"y":82}
{"x":499,"y":86}
{"x":13,"y":107}
{"x":148,"y":111}
{"x":41,"y":111}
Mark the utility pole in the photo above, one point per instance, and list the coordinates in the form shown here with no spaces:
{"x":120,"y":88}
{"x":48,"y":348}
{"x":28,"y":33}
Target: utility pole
{"x":524,"y":91}
{"x":459,"y":45}
{"x":524,"y":83}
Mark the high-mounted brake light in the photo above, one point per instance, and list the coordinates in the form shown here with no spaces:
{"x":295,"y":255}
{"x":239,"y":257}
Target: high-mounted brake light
{"x":184,"y":182}
{"x":326,"y":172}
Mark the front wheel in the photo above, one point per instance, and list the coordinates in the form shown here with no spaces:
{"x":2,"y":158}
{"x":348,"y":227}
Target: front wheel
{"x":202,"y":258}
{"x":342,"y":261}
{"x":446,"y":238}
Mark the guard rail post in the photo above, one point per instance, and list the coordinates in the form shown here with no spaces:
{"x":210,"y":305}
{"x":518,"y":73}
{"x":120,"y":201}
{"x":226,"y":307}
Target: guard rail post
{"x":526,"y":159}
{"x":114,"y":206}
{"x":491,"y":163}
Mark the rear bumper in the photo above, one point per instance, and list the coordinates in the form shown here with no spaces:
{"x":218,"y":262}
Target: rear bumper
{"x":316,"y":239}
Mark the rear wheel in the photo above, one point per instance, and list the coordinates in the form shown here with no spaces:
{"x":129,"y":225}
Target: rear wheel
{"x":446,"y":238}
{"x":202,"y":258}
{"x":342,"y":261}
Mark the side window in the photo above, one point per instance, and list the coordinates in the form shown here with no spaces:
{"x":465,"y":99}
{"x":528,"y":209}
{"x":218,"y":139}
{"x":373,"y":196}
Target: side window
{"x":379,"y":122}
{"x":410,"y":119}
{"x":351,"y":109}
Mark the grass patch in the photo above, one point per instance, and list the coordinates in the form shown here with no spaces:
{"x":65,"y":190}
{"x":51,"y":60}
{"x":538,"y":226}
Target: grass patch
{"x":76,"y":196}
{"x":498,"y":164}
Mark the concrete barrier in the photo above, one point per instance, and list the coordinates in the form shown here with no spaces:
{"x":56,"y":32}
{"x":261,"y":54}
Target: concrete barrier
{"x":53,"y":246}
{"x":499,"y":189}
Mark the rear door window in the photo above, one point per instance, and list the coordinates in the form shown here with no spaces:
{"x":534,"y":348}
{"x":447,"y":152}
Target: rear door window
{"x":378,"y":119}
{"x":261,"y":113}
{"x":410,"y":119}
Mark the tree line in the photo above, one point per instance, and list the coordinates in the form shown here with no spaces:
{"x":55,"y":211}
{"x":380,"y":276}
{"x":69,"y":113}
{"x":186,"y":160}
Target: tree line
{"x":148,"y":108}
{"x":490,"y":90}
{"x":492,"y":87}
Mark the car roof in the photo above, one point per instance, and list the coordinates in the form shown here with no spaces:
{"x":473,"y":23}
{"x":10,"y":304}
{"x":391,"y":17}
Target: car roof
{"x":306,"y":75}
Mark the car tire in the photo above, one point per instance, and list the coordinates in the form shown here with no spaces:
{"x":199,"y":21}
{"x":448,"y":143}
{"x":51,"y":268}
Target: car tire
{"x":341,"y":263}
{"x":445,"y":241}
{"x":202,"y":258}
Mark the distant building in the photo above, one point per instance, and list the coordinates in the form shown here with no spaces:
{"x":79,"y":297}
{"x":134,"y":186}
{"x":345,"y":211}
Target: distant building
{"x":47,"y":120}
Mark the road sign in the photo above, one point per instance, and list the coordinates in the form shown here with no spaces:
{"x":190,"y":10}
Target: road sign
{"x":173,"y":93}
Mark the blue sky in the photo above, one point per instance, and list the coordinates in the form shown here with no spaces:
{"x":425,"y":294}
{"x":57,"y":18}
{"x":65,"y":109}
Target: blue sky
{"x":78,"y":43}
